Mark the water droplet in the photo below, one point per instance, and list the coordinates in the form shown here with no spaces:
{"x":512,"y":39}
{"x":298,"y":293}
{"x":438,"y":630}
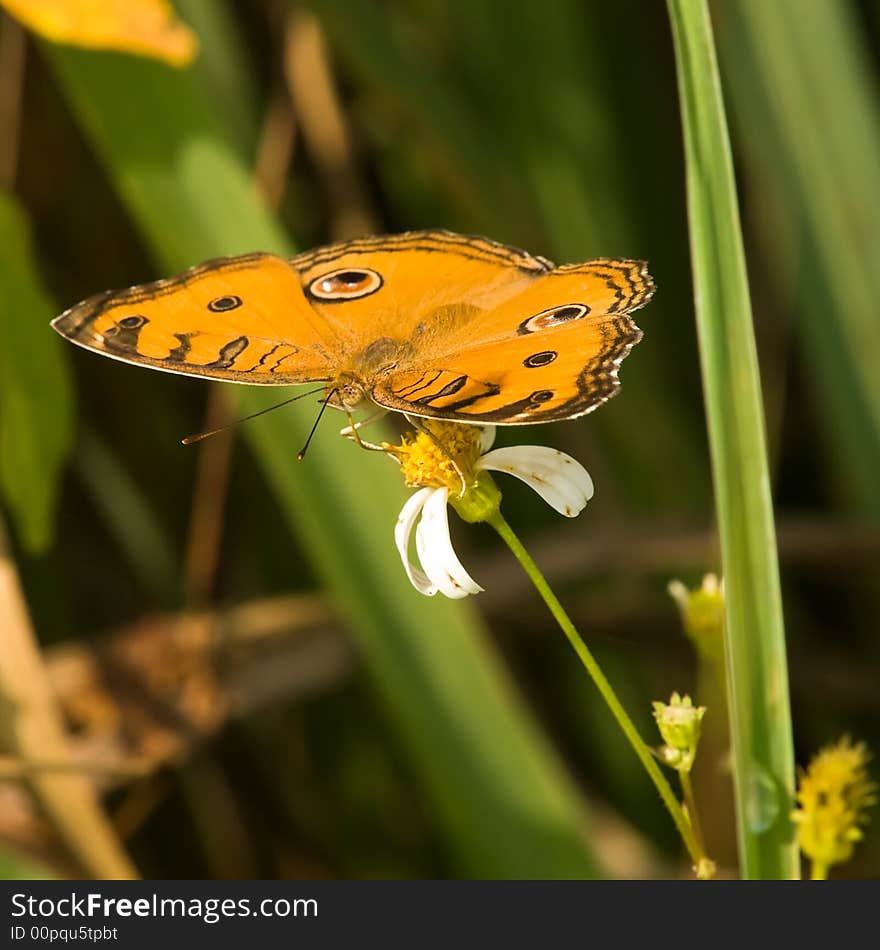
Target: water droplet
{"x":764,"y":800}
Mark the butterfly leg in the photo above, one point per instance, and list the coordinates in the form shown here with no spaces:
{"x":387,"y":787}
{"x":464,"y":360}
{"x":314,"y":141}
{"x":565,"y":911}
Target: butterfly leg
{"x":351,"y":431}
{"x":421,"y":427}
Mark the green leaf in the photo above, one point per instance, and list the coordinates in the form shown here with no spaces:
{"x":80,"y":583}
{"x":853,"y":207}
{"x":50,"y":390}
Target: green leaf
{"x":763,"y":761}
{"x":222,"y":67}
{"x":504,"y":801}
{"x":36,"y":400}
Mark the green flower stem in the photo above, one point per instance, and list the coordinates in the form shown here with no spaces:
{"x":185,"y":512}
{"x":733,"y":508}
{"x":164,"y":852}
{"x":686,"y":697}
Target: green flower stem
{"x":685,"y":829}
{"x":690,"y":801}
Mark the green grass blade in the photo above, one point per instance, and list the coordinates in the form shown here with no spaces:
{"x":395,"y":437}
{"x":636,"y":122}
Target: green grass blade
{"x":507,"y":807}
{"x":757,"y":670}
{"x":36,"y":397}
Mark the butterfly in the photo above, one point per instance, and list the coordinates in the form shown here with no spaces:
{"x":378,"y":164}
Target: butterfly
{"x":429,"y":323}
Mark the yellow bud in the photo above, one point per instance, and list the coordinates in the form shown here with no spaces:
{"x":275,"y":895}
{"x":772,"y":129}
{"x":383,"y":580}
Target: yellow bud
{"x":679,"y":722}
{"x":702,"y":614}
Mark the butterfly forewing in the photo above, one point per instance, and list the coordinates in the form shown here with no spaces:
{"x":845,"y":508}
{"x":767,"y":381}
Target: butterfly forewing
{"x":428,"y":289}
{"x":242,"y":319}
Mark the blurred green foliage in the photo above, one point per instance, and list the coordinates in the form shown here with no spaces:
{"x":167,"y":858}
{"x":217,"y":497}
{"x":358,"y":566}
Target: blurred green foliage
{"x":36,"y":396}
{"x":557,"y":129}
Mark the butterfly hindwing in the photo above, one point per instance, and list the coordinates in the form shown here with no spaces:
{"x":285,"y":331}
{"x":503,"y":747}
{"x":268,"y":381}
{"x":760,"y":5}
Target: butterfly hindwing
{"x":550,"y":352}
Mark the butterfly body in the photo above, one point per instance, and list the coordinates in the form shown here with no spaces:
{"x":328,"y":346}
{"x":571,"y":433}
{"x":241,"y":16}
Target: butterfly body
{"x":429,"y":323}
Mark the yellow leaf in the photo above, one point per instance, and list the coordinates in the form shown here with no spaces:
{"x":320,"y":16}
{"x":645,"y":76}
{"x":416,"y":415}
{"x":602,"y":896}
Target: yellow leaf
{"x":141,"y":27}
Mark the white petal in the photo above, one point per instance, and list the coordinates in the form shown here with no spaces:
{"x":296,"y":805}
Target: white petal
{"x":487,"y":438}
{"x":402,"y":531}
{"x":561,"y":481}
{"x":435,"y":551}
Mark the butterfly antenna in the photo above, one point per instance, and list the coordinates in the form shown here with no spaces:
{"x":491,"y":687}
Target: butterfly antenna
{"x":190,"y":439}
{"x":302,"y":452}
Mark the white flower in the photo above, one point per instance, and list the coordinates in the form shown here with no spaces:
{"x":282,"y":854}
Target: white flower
{"x":450,"y":459}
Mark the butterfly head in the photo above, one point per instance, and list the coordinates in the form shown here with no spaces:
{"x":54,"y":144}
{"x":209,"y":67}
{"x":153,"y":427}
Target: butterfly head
{"x":352,"y":384}
{"x":346,"y":392}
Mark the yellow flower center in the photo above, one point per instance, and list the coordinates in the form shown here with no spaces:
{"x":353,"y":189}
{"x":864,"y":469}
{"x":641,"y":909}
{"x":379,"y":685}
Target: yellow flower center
{"x":426,"y":460}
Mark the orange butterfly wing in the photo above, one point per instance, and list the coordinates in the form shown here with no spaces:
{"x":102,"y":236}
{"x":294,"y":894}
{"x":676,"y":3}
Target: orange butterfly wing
{"x":430,"y":323}
{"x":550,"y":352}
{"x":243,"y":319}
